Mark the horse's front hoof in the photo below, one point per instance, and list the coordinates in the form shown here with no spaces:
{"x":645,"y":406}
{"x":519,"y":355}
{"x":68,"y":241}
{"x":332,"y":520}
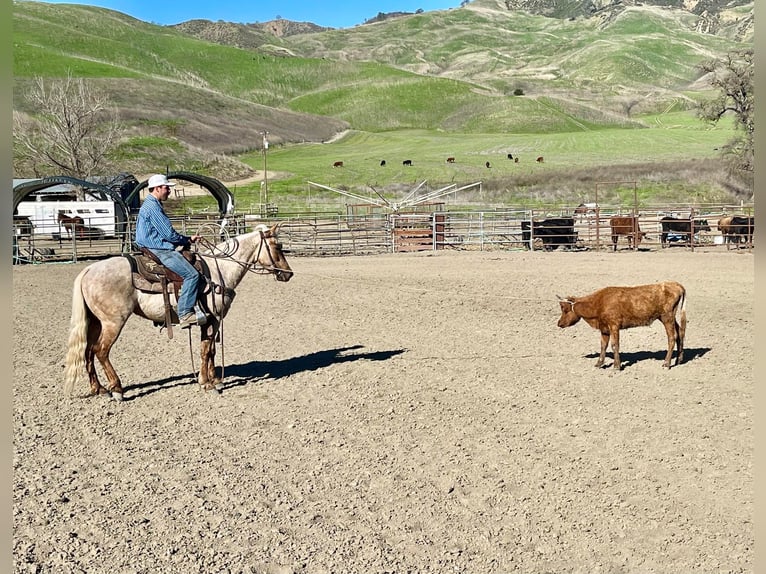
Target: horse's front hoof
{"x":217,"y":387}
{"x":117,"y":397}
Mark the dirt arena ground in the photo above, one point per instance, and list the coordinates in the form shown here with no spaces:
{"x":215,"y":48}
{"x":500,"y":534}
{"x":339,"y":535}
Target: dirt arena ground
{"x":410,"y":413}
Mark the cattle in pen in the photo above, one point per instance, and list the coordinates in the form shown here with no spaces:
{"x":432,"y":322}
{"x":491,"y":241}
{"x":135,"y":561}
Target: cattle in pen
{"x":628,"y":227}
{"x":742,"y":228}
{"x":724,"y":226}
{"x":682,"y":229}
{"x":552,"y":232}
{"x":612,"y":309}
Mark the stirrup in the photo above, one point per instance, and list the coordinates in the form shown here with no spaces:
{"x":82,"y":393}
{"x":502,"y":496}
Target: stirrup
{"x":201,"y":317}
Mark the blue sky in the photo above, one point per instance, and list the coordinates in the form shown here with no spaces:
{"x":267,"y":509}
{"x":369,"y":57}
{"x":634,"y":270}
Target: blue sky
{"x":333,"y":13}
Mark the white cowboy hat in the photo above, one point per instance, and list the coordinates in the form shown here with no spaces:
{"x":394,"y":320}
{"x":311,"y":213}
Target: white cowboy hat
{"x":159,"y":179}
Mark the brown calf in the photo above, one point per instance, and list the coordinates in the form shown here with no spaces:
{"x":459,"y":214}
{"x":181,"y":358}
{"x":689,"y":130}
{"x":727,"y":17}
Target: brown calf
{"x":725,"y":227}
{"x":613,"y":308}
{"x":450,"y":160}
{"x":338,"y":164}
{"x":627,"y":226}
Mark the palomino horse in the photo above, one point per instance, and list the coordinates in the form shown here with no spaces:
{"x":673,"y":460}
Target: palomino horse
{"x":104,"y":298}
{"x":73,"y":225}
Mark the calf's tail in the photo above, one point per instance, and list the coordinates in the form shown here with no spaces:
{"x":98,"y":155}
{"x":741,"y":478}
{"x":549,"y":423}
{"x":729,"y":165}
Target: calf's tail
{"x":682,"y":315}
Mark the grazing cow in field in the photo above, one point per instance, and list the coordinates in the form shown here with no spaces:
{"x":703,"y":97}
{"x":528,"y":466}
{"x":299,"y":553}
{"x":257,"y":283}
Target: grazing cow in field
{"x":627,"y":226}
{"x":510,"y":156}
{"x":614,"y":308}
{"x":407,"y":162}
{"x":338,"y":164}
{"x":685,"y":228}
{"x":553,"y":232}
{"x":382,"y":163}
{"x":742,"y":228}
{"x":450,"y":160}
{"x":516,"y":159}
{"x":540,"y":159}
{"x":488,"y":165}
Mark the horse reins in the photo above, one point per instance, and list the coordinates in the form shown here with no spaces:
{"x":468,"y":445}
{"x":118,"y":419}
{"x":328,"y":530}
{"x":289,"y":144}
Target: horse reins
{"x":222,"y":290}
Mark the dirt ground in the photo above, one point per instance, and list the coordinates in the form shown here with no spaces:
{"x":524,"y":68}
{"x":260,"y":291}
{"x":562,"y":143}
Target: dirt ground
{"x":409,"y":413}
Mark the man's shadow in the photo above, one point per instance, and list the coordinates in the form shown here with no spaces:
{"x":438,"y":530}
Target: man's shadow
{"x":628,"y":359}
{"x":239,"y":375}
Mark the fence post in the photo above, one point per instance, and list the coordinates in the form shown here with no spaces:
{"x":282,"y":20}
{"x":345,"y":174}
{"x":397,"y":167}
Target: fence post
{"x":74,"y":245}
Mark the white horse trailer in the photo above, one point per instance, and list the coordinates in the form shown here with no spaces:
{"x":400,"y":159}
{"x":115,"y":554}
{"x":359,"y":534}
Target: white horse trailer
{"x":44,"y":215}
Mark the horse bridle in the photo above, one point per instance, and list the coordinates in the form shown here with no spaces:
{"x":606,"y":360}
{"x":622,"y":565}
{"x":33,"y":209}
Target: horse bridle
{"x":252,"y":266}
{"x":272,"y":268}
{"x":223,"y":290}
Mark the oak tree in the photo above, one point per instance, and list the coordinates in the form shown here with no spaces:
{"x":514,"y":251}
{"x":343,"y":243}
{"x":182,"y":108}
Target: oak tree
{"x":71,"y":131}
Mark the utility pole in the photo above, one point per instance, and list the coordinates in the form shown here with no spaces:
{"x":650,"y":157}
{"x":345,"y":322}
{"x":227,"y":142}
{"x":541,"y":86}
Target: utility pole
{"x":265,"y":173}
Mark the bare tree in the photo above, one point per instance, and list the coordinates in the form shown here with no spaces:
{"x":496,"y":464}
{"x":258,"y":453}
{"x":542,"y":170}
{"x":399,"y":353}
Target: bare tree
{"x":732,"y":77}
{"x":72,"y":132}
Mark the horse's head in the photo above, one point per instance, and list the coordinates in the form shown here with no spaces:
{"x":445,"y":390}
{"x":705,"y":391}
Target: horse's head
{"x":271,"y":256}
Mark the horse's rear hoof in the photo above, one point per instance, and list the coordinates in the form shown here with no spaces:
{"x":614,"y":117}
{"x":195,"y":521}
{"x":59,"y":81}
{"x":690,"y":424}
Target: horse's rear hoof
{"x":117,"y":397}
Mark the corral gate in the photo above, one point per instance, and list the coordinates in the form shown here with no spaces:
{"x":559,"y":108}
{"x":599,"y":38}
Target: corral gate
{"x":417,"y":231}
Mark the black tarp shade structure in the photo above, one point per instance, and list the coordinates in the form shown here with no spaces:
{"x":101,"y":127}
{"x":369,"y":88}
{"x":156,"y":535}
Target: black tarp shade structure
{"x":95,"y":190}
{"x":218,"y":190}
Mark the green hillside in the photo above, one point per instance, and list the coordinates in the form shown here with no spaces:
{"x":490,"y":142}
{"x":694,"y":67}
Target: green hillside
{"x":587,"y":91}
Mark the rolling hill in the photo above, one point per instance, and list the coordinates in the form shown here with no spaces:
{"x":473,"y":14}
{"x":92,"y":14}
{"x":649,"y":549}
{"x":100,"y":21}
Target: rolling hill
{"x":489,"y":67}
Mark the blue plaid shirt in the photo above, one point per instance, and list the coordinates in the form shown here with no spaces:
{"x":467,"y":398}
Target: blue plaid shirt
{"x":153,"y":228}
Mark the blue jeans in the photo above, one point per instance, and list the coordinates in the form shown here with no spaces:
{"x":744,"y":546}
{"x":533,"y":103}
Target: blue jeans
{"x":174,"y":261}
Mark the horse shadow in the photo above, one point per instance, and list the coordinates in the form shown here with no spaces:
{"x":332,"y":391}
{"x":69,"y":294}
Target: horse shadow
{"x":628,"y":359}
{"x":242,"y":374}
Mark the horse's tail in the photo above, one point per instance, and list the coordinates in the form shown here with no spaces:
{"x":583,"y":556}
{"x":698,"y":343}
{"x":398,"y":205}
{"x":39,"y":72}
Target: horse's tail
{"x":78,"y":336}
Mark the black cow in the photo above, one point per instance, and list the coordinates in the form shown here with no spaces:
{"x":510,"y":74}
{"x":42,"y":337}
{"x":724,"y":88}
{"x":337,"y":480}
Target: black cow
{"x":742,"y":228}
{"x":407,"y":162}
{"x":685,"y":228}
{"x":553,"y":232}
{"x":382,"y":163}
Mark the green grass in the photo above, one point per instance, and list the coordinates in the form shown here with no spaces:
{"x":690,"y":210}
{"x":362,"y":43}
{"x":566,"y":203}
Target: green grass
{"x":422,"y":88}
{"x":344,"y":73}
{"x":676,"y":138}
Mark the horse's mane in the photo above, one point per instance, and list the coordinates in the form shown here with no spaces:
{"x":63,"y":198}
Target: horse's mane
{"x":231,"y":245}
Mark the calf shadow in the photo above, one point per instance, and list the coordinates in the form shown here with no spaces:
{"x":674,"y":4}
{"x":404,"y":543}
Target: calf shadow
{"x":628,"y":359}
{"x":242,"y":374}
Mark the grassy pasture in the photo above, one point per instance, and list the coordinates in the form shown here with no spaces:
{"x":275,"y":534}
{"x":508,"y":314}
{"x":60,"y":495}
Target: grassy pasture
{"x":675,"y":139}
{"x":423,"y":88}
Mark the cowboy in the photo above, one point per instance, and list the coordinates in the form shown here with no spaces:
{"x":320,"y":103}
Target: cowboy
{"x":155,"y":232}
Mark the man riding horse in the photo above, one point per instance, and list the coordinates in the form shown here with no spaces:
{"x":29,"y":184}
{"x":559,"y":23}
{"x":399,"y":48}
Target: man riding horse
{"x":155,"y":233}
